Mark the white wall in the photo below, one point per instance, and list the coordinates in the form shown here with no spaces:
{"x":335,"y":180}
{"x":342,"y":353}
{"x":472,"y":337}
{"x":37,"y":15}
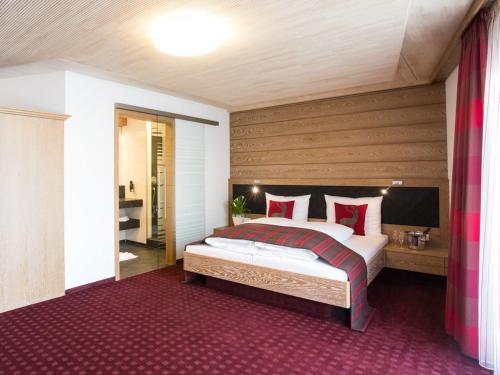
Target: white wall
{"x":89,"y":169}
{"x":216,"y":166}
{"x":40,"y":92}
{"x":451,"y":106}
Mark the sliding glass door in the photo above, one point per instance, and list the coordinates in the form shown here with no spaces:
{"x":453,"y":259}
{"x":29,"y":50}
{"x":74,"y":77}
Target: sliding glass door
{"x":147,"y":183}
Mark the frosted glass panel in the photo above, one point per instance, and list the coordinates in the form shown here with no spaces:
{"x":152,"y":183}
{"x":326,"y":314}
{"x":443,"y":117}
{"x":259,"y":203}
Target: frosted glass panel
{"x":189,"y":179}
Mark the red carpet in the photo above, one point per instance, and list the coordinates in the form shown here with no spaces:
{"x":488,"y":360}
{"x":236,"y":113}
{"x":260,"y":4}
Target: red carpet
{"x":153,"y":324}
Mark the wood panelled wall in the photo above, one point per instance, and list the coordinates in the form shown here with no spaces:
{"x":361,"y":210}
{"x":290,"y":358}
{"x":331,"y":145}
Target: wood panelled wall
{"x":399,"y":134}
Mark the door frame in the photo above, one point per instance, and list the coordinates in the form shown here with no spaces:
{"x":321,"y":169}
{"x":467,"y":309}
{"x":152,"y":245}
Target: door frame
{"x":170,"y":248}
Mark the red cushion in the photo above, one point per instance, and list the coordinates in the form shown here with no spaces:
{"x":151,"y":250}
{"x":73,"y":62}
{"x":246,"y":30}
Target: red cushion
{"x":280,"y":209}
{"x":351,"y":216}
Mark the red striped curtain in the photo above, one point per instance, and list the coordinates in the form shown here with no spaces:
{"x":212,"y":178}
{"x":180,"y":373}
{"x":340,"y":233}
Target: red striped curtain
{"x":463,"y":261}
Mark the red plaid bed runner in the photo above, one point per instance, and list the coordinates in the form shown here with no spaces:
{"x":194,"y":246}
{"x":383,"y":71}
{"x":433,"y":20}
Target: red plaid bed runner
{"x":326,"y":248}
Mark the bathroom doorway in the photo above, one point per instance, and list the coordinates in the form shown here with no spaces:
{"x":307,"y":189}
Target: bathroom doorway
{"x":145,"y":181}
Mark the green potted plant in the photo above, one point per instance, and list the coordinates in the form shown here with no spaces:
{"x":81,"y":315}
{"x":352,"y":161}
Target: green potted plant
{"x":238,"y":209}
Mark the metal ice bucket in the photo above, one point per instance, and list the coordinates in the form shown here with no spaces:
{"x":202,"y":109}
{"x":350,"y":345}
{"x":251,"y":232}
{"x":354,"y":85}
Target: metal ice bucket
{"x":417,"y":239}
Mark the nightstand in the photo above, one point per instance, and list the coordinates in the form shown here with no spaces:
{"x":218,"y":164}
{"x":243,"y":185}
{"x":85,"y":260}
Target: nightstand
{"x":430,"y":260}
{"x":220,"y":229}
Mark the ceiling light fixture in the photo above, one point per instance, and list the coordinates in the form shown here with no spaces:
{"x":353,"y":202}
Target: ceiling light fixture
{"x":189,"y":33}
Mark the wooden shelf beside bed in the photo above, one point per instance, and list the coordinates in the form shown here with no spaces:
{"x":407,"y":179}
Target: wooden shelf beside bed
{"x":431,"y":260}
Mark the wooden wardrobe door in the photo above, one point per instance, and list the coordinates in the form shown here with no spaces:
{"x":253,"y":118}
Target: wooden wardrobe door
{"x":31,"y":209}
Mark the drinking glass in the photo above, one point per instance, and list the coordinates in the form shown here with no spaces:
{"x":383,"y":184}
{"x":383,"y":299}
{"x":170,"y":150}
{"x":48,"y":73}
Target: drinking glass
{"x":394,"y":237}
{"x":401,"y":239}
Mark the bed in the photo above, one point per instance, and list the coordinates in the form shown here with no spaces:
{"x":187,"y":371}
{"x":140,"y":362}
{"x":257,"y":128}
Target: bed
{"x":311,"y":279}
{"x":415,"y":206}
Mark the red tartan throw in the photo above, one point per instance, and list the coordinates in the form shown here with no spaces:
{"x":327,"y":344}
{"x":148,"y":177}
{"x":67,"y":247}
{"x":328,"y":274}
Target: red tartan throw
{"x":326,"y":248}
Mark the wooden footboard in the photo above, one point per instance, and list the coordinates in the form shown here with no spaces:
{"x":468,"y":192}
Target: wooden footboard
{"x":313,"y":288}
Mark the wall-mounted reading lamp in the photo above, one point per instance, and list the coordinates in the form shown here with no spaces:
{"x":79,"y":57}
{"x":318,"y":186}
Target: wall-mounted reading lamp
{"x":394,"y":183}
{"x":255,"y":187}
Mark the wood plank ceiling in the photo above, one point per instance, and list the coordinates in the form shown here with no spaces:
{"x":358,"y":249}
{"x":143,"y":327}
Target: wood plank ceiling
{"x":281,"y":51}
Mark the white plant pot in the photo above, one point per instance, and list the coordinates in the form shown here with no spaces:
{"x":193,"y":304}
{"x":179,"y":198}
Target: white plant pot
{"x":237,"y":220}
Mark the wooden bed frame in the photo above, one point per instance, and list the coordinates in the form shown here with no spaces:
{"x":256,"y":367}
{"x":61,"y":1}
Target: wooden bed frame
{"x":319,"y":289}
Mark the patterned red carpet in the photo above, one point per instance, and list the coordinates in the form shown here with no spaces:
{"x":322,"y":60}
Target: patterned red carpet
{"x":153,"y":324}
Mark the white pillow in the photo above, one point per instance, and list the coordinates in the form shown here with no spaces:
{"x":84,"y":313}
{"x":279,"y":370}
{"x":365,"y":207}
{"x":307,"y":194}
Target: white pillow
{"x":373,"y":218}
{"x":300,"y":207}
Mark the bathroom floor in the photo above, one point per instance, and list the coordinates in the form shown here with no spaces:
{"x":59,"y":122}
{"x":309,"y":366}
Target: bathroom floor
{"x":148,"y":259}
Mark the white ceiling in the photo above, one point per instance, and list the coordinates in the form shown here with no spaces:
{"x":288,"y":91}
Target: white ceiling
{"x":281,"y":51}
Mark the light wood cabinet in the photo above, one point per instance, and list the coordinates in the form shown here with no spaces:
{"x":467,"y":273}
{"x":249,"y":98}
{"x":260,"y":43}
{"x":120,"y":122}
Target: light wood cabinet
{"x":31,"y":207}
{"x":431,"y":260}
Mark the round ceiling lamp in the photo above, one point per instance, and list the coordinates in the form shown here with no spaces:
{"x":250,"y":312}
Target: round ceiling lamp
{"x":189,"y":33}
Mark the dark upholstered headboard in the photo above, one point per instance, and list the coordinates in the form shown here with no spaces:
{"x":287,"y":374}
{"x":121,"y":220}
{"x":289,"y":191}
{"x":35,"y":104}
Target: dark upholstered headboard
{"x":413,"y":206}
